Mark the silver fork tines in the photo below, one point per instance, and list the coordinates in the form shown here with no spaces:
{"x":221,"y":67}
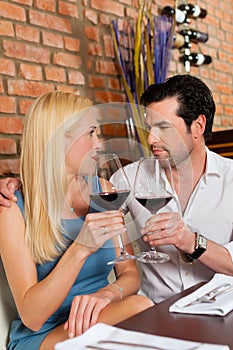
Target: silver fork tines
{"x":210,"y":297}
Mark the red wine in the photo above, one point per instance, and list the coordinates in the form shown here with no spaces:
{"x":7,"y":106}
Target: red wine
{"x":108,"y":201}
{"x":153,"y":204}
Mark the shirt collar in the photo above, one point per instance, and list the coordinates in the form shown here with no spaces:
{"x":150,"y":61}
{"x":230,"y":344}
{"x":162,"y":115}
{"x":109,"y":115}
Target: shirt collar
{"x":212,"y":167}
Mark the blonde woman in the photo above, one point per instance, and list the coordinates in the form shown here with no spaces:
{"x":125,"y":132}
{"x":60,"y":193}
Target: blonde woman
{"x":59,"y":283}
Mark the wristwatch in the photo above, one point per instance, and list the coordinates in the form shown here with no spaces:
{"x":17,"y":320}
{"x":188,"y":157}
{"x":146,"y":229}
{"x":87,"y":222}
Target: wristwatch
{"x":200,"y":248}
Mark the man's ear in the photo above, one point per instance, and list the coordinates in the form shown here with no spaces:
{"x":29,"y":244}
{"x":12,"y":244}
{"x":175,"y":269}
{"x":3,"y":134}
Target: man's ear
{"x":198,"y":126}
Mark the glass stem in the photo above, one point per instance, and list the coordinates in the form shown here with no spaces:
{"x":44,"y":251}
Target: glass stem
{"x":122,"y":248}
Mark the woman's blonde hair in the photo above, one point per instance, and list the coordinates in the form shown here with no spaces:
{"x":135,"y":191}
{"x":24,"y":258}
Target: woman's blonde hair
{"x":43,"y":173}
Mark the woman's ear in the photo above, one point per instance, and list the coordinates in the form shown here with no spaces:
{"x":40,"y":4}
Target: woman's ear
{"x":198,"y":126}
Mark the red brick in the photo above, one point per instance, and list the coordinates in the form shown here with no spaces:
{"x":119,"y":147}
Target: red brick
{"x":26,"y":52}
{"x":9,"y":166}
{"x":8,"y":146}
{"x":72,"y":44}
{"x":1,"y":86}
{"x":55,"y":74}
{"x":76,"y":78}
{"x":89,"y":65}
{"x":24,"y":2}
{"x":131,"y":13}
{"x":28,"y":88}
{"x":7,"y":67}
{"x":91,"y":16}
{"x":108,"y":6}
{"x":11,"y":125}
{"x":96,"y":81}
{"x":227,"y":27}
{"x":92,"y":33}
{"x":68,"y":88}
{"x":68,"y":9}
{"x":108,"y":46}
{"x":12,"y":11}
{"x":221,"y":66}
{"x":104,"y":19}
{"x":7,"y":104}
{"x":106,"y":67}
{"x":228,"y":111}
{"x":24,"y":105}
{"x":52,"y":39}
{"x":30,"y":72}
{"x":127,"y":2}
{"x":114,"y":84}
{"x":46,"y":5}
{"x":107,"y":96}
{"x":67,"y":60}
{"x":6,"y":29}
{"x":226,"y":99}
{"x":225,"y":89}
{"x":27,"y":33}
{"x":94,"y":49}
{"x":50,"y":21}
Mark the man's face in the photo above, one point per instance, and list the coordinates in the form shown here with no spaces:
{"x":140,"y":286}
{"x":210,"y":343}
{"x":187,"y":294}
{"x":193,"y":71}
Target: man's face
{"x":168,"y":135}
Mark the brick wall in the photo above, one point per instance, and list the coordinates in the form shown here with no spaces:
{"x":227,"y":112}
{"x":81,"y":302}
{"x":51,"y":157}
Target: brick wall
{"x":66,"y":45}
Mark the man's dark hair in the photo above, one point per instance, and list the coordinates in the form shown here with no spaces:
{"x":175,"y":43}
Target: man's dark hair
{"x":193,"y":97}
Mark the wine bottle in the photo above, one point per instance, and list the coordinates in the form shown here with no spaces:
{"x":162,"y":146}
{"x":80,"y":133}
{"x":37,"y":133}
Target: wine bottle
{"x":196,"y":59}
{"x":179,"y":41}
{"x":194,"y":35}
{"x":179,"y":15}
{"x":193,"y":10}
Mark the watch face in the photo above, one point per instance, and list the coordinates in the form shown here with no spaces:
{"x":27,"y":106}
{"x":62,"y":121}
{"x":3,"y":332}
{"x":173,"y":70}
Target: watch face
{"x":202,"y":242}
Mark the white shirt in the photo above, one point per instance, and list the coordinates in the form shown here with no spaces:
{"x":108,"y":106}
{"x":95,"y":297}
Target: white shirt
{"x":209,"y":211}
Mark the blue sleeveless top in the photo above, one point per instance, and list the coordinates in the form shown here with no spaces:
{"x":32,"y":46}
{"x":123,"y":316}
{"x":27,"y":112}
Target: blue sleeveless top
{"x":92,"y":277}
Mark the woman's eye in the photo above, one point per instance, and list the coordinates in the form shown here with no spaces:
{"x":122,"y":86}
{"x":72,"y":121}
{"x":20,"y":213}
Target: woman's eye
{"x":92,"y":131}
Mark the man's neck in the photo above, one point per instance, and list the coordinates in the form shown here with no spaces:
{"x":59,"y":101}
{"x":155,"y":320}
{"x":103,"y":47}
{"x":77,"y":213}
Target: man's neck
{"x":187,"y":174}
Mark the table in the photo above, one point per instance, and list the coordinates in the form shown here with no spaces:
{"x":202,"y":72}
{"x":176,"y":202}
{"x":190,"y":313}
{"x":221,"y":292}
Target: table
{"x":202,"y":328}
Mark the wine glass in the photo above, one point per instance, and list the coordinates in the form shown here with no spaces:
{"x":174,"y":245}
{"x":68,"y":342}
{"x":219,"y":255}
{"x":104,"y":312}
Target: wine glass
{"x":106,"y":196}
{"x":153,"y":191}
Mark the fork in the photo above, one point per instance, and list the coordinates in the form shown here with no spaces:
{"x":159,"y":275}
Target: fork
{"x":115,"y":342}
{"x":210,"y":297}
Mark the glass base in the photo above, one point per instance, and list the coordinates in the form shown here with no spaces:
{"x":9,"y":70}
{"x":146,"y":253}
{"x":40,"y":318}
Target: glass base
{"x":123,"y":257}
{"x":152,"y":257}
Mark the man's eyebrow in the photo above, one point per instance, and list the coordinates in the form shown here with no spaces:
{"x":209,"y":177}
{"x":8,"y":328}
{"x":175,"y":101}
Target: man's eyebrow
{"x":161,"y":123}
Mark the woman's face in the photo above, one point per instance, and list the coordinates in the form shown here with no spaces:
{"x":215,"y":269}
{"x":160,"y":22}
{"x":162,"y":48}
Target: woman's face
{"x":83,"y":145}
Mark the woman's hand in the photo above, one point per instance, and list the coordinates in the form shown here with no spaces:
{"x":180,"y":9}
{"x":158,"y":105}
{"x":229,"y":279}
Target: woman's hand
{"x":100,"y":227}
{"x":85,"y":311}
{"x":8,"y":186}
{"x":169,"y":228}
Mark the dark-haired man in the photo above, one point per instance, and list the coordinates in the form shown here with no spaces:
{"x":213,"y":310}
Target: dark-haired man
{"x":179,"y":118}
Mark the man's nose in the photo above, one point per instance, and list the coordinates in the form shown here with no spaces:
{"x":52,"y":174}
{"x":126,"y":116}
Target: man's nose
{"x":153,"y":137}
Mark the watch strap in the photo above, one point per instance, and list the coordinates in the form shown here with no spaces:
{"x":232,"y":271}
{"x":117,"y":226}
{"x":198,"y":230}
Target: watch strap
{"x":200,"y":248}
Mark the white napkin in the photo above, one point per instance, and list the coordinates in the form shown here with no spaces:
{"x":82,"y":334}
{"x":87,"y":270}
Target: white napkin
{"x":104,"y":332}
{"x":222,"y":306}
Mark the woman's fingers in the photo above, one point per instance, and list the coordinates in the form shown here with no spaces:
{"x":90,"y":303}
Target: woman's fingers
{"x":72,"y":316}
{"x":84,"y":313}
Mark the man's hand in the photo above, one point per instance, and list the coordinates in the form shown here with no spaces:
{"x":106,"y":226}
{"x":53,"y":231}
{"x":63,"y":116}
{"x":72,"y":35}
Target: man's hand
{"x":169,"y":228}
{"x":8,"y":186}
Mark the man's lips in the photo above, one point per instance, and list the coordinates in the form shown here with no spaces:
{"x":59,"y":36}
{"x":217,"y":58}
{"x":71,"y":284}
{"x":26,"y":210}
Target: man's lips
{"x":157,"y":150}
